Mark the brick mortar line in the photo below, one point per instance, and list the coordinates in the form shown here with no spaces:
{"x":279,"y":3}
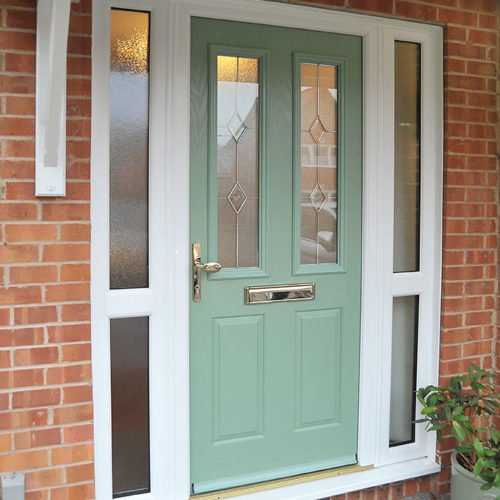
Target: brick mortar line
{"x":32,"y":96}
{"x":468,"y":107}
{"x":57,"y":486}
{"x":47,"y":304}
{"x":20,"y":8}
{"x":32,"y":31}
{"x":59,"y":282}
{"x":30,"y":52}
{"x":49,"y":427}
{"x":54,"y":263}
{"x":471,"y":93}
{"x":25,"y":222}
{"x":27,"y":52}
{"x":49,"y":489}
{"x":86,"y":282}
{"x":57,"y":364}
{"x":45,"y":428}
{"x":50,"y":387}
{"x":18,"y":29}
{"x":31,"y":180}
{"x":62,"y":405}
{"x":44,"y":407}
{"x":56,"y":200}
{"x":466,"y":60}
{"x":467,"y":155}
{"x":448,"y":282}
{"x":78,"y":77}
{"x":473,"y":203}
{"x":61,"y":363}
{"x":30,"y":138}
{"x":52,"y":447}
{"x":66,"y":485}
{"x":467,"y":41}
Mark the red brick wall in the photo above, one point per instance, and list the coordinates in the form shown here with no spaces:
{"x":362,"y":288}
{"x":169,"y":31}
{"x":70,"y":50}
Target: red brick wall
{"x":45,"y":373}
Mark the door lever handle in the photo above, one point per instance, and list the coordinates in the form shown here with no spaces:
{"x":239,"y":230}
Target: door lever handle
{"x":198,"y":265}
{"x":209,"y":267}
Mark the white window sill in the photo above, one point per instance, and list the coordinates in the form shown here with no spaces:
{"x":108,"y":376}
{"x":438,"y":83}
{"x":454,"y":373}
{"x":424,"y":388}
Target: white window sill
{"x":350,"y":482}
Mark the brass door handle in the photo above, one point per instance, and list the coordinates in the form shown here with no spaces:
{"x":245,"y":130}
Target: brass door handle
{"x":209,"y":267}
{"x":198,"y":265}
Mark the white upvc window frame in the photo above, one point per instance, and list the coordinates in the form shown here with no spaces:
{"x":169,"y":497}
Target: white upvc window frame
{"x":166,"y":301}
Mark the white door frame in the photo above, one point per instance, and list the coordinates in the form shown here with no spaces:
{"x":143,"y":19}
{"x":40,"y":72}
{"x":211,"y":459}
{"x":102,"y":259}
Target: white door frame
{"x":166,"y":301}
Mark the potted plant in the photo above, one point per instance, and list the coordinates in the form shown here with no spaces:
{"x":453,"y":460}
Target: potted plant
{"x":466,"y":409}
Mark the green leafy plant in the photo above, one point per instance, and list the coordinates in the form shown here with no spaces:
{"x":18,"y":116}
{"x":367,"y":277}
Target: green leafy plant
{"x":466,"y":409}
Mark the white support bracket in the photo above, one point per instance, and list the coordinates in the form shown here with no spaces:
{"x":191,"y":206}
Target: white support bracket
{"x":51,"y":52}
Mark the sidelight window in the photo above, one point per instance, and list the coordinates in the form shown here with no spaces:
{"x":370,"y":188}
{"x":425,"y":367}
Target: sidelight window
{"x":129,"y":247}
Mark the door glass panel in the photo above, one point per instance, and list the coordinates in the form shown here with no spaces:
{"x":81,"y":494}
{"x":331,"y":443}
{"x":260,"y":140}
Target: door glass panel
{"x":318,"y":145}
{"x":237,"y":161}
{"x":407,"y":157}
{"x":128,"y":159}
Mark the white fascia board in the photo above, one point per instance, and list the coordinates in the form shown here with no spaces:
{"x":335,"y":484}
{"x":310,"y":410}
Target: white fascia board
{"x":51,"y":52}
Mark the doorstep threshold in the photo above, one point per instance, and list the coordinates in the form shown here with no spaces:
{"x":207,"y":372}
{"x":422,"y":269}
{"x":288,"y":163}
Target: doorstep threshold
{"x":280,"y":483}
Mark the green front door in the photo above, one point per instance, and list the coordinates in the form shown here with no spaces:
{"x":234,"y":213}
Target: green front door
{"x":276,"y":199}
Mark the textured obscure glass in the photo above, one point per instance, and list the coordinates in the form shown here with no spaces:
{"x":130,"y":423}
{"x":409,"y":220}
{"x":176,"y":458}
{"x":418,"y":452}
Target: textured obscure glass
{"x":130,"y":405}
{"x":237,"y":161}
{"x":407,"y":157}
{"x":403,"y":369}
{"x":318,"y":167}
{"x":129,"y":103}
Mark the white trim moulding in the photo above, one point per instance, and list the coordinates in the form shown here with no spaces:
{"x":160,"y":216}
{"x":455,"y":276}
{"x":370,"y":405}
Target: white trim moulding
{"x":51,"y":51}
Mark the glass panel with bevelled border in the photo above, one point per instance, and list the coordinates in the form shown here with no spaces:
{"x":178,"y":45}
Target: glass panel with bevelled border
{"x":237,"y":161}
{"x":318,"y":145}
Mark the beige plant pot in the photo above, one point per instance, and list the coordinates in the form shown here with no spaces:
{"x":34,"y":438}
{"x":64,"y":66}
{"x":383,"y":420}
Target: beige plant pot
{"x":466,"y":486}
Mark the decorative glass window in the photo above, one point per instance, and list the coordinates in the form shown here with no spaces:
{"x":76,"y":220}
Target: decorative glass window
{"x":318,"y":145}
{"x":237,"y":161}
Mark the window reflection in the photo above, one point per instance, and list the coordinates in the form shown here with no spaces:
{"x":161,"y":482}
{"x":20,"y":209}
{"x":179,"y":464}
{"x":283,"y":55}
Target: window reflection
{"x":238,"y":161}
{"x":318,"y":107}
{"x":407,"y":157}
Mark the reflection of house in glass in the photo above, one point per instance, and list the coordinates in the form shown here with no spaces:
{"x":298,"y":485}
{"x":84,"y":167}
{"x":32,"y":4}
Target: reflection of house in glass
{"x":237,"y":161}
{"x":318,"y":145}
{"x":238,"y":158}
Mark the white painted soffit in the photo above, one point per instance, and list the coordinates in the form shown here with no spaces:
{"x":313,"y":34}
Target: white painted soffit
{"x":51,"y":52}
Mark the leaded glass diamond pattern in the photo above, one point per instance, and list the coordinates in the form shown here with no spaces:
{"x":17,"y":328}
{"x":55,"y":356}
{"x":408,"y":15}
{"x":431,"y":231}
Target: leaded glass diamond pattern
{"x":318,"y":197}
{"x":237,"y":101}
{"x":317,"y":130}
{"x":318,"y":167}
{"x":237,"y":198}
{"x":236,"y":126}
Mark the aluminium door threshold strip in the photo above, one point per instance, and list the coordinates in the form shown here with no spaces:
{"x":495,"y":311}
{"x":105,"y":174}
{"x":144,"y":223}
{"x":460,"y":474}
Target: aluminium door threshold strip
{"x":279,"y":483}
